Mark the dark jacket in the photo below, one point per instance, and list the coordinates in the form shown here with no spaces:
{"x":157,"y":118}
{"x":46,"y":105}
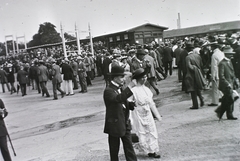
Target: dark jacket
{"x":194,"y":65}
{"x":22,"y":77}
{"x":67,"y":72}
{"x":3,"y":76}
{"x":117,"y":117}
{"x":3,"y":129}
{"x":226,"y":75}
{"x":10,"y":75}
{"x":167,"y":54}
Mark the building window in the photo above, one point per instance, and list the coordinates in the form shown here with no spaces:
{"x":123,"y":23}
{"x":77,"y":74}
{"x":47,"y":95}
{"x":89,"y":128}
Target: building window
{"x":118,"y":38}
{"x":147,"y":34}
{"x":125,"y":36}
{"x":110,"y":39}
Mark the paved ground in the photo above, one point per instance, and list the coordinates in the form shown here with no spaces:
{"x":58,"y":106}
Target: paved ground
{"x":71,"y":128}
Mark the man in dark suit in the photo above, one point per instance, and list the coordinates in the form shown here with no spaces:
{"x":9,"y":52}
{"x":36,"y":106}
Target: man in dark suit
{"x":167,"y":59}
{"x":22,"y":79}
{"x":3,"y":133}
{"x":117,"y":123}
{"x":3,"y":79}
{"x":226,"y":84}
{"x":106,"y":63}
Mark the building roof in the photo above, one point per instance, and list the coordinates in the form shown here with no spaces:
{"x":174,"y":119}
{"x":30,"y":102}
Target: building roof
{"x":225,"y":26}
{"x":135,"y":28}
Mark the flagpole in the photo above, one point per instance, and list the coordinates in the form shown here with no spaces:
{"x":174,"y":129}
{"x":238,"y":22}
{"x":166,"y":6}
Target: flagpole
{"x":91,"y":42}
{"x":63,"y":41}
{"x":78,"y":39}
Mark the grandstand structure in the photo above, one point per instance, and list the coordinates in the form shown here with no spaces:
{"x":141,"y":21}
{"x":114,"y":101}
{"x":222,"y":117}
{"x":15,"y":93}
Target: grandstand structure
{"x":203,"y":30}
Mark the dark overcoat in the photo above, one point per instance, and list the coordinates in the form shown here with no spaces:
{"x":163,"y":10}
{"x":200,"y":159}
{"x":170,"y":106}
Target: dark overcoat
{"x":22,"y":77}
{"x":117,"y":116}
{"x":3,"y":76}
{"x":10,"y":76}
{"x":67,"y":72}
{"x":3,"y":129}
{"x":226,"y":75}
{"x":167,"y":54}
{"x":194,"y":69}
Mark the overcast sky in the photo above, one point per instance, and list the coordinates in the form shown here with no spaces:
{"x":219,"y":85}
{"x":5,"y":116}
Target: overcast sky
{"x":19,"y":17}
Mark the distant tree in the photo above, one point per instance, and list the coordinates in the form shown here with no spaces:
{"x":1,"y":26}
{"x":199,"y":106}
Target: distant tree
{"x":47,"y":34}
{"x":69,"y":37}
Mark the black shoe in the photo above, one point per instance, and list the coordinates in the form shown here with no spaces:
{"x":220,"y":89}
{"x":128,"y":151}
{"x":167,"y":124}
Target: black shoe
{"x":63,"y":94}
{"x":154,"y":155}
{"x":212,"y":104}
{"x":157,"y":91}
{"x":218,"y":115}
{"x":235,"y":98}
{"x":202,"y":103}
{"x":193,"y":108}
{"x":48,"y":96}
{"x":84,"y":92}
{"x":80,"y":92}
{"x":232,"y":118}
{"x":55,"y":98}
{"x":67,"y":94}
{"x":72,"y":94}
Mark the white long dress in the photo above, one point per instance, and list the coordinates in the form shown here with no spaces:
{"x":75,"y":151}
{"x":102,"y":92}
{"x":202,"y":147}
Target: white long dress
{"x":142,"y":120}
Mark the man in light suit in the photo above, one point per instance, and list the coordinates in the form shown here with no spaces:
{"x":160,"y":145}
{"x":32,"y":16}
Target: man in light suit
{"x":74,"y":66}
{"x":56,"y":80}
{"x":82,"y":74}
{"x":3,"y":133}
{"x":117,"y":123}
{"x":217,"y":56}
{"x":226,"y":83}
{"x":43,"y":78}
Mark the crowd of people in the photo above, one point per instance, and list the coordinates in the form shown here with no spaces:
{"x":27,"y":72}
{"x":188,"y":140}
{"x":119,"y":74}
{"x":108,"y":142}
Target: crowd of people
{"x":135,"y":69}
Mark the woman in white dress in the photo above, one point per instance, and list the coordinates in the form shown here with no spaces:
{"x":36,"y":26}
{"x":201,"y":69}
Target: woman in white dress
{"x":142,"y":120}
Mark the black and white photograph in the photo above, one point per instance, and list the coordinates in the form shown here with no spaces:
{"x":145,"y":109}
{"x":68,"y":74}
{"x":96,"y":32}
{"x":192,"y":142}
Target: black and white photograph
{"x":119,"y":80}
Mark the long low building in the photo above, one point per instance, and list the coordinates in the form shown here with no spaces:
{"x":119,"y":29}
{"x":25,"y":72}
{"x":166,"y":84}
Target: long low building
{"x":201,"y":31}
{"x":142,"y":34}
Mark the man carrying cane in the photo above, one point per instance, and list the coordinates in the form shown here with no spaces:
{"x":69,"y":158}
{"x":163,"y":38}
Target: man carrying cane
{"x":3,"y":133}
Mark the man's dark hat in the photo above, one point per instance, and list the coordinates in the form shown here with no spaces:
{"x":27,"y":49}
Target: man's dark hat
{"x":117,"y":71}
{"x":189,"y":45}
{"x":140,"y":52}
{"x":139,"y":73}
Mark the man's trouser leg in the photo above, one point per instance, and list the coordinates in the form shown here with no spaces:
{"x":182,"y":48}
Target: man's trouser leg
{"x":4,"y":148}
{"x":114,"y":144}
{"x":194,"y":99}
{"x":215,"y":92}
{"x":128,"y":147}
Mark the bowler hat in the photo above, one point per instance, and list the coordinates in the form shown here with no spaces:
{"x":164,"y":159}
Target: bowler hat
{"x":228,"y":50}
{"x":117,"y":71}
{"x":189,"y":45}
{"x":139,"y":73}
{"x":140,"y":52}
